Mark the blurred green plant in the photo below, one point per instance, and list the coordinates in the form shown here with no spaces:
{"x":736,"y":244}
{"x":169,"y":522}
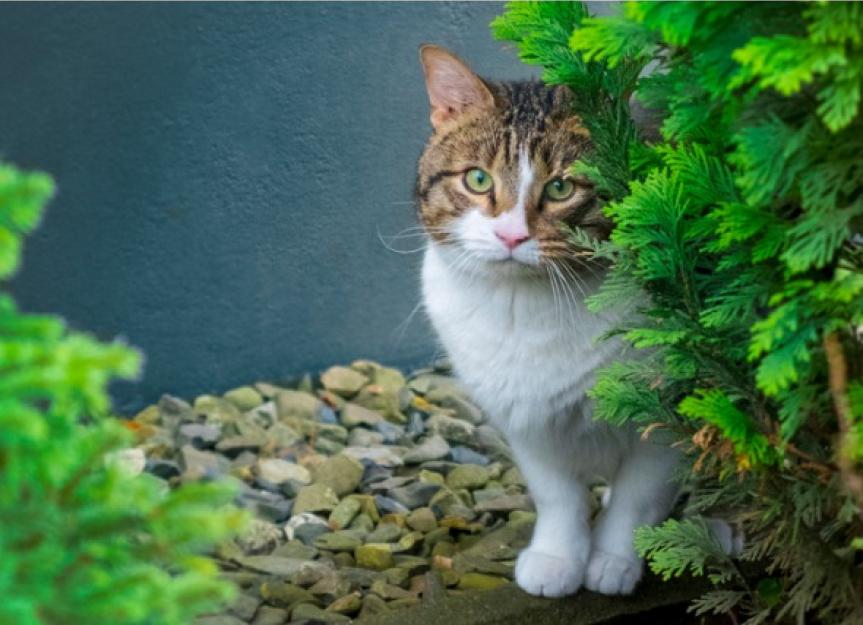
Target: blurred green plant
{"x":83,"y":540}
{"x":740,"y":227}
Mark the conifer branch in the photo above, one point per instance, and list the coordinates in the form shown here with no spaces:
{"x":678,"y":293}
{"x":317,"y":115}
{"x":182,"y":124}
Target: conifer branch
{"x":837,"y":367}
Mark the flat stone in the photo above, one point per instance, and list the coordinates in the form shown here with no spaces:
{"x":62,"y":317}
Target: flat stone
{"x":386,"y":403}
{"x":342,"y":473}
{"x":433,"y":448}
{"x":466,"y":455}
{"x":452,"y":429}
{"x":373,"y":608}
{"x":259,"y":537}
{"x":427,"y":382}
{"x":296,"y":549}
{"x":329,"y":587}
{"x":315,"y":498}
{"x":268,"y":615}
{"x":197,"y":463}
{"x":234,"y":445}
{"x":461,"y":407}
{"x":474,"y":563}
{"x":244,"y":398}
{"x":414,"y":495}
{"x":361,"y":437}
{"x":383,"y":456}
{"x":480,"y":581}
{"x":278,"y":471}
{"x":469,"y":476}
{"x":244,"y":607}
{"x":491,"y":441}
{"x":512,"y":477}
{"x":348,"y":604}
{"x":283,"y":435}
{"x":393,"y":433}
{"x":389,"y":591}
{"x":216,"y":409}
{"x":507,"y":503}
{"x":200,"y":435}
{"x":344,"y":540}
{"x":315,"y":614}
{"x":374,"y":556}
{"x":385,"y":533}
{"x":273,"y":565}
{"x":283,"y":594}
{"x":344,"y":513}
{"x":343,"y":381}
{"x":422,"y":519}
{"x":174,"y":406}
{"x":387,"y":505}
{"x":354,"y":415}
{"x":301,"y":519}
{"x":297,"y":405}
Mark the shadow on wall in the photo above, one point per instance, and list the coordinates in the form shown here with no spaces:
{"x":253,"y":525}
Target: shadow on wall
{"x":224,"y":171}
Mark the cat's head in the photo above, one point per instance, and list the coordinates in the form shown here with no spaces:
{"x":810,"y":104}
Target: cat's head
{"x":494,"y":181}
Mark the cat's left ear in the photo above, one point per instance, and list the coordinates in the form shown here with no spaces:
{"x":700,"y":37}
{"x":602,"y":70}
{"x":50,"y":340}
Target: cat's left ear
{"x":452,"y":86}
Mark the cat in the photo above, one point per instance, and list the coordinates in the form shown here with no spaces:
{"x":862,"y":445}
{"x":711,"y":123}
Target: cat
{"x":505,"y":291}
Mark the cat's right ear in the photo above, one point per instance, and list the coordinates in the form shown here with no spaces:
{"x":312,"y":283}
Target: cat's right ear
{"x":451,"y":86}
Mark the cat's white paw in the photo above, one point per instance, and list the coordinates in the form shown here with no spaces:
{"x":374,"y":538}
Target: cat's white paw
{"x":546,"y":575}
{"x":612,"y":575}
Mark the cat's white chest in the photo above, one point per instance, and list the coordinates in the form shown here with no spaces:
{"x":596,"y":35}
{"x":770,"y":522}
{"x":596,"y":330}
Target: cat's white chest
{"x":524,"y":355}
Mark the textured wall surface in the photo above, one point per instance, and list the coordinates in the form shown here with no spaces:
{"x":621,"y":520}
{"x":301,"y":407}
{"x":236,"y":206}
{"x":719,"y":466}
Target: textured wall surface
{"x":223,"y":172}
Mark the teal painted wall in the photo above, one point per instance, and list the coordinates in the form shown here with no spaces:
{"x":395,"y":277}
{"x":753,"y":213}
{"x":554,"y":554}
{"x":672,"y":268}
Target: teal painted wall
{"x":223,"y":172}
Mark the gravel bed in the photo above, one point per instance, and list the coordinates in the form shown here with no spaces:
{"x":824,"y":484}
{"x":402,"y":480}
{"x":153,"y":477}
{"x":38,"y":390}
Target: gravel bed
{"x":371,"y":491}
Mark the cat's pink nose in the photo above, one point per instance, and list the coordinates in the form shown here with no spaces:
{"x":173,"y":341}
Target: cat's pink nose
{"x":512,"y":239}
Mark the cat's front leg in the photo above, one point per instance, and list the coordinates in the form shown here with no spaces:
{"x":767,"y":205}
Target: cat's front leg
{"x":554,"y":563}
{"x":642,"y":493}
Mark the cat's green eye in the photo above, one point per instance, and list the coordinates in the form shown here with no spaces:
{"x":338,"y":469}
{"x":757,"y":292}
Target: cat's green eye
{"x":478,"y":180}
{"x":559,"y":189}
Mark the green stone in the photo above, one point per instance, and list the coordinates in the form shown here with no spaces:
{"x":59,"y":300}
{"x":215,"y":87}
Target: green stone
{"x":480,"y":581}
{"x":284,"y":595}
{"x":363,"y":522}
{"x":315,"y":498}
{"x":353,"y":415}
{"x":344,"y":540}
{"x":513,"y":477}
{"x":244,"y":398}
{"x":389,"y":591}
{"x":344,"y":513}
{"x":297,"y":405}
{"x":385,"y":533}
{"x":306,"y":611}
{"x":406,"y":602}
{"x":397,"y":576}
{"x":348,"y":604}
{"x":216,"y":409}
{"x":374,"y":556}
{"x":341,"y":473}
{"x":431,"y":477}
{"x":372,"y":606}
{"x":296,"y":549}
{"x":452,"y":429}
{"x":408,"y":541}
{"x":469,"y":476}
{"x":422,"y":520}
{"x":343,"y":381}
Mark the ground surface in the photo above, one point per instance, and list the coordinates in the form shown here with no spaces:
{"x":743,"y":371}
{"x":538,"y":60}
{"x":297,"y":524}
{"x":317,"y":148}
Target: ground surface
{"x":377,"y":497}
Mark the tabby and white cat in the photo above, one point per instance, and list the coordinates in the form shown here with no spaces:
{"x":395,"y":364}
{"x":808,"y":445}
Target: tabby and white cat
{"x":505,"y":291}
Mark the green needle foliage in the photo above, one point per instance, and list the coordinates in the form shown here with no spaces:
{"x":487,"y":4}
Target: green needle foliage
{"x":739,"y":228}
{"x":82,"y":539}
